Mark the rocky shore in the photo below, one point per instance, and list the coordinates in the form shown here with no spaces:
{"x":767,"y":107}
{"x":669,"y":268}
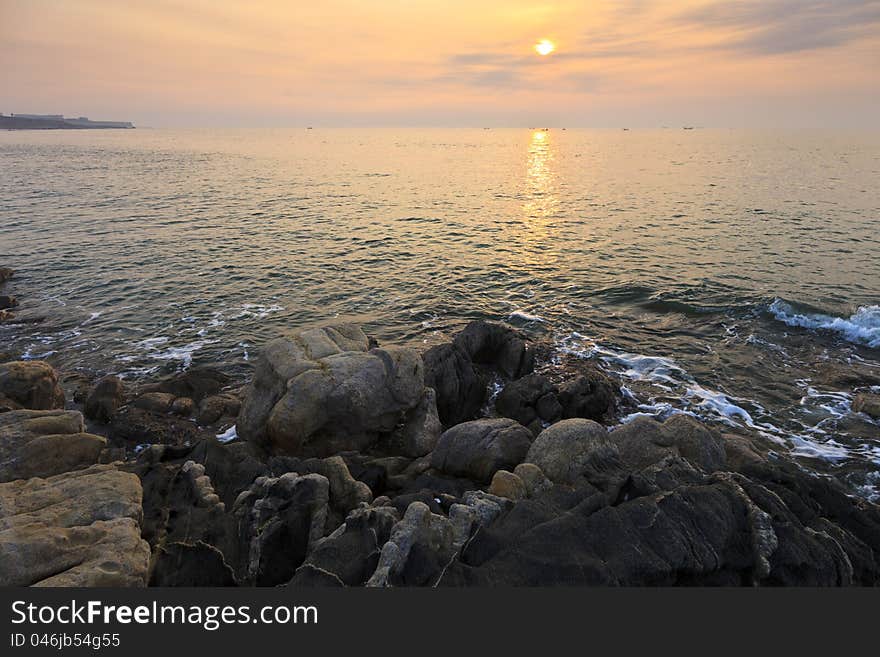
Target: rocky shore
{"x":348,"y":463}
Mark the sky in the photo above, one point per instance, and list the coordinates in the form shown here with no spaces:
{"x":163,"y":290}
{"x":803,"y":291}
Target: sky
{"x":633,"y":63}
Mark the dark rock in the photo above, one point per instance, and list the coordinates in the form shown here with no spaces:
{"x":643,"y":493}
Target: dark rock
{"x":32,"y":384}
{"x":497,"y":345}
{"x":348,"y":556}
{"x":592,"y":395}
{"x":104,"y":399}
{"x":460,"y":386}
{"x":280,"y":520}
{"x":190,"y":564}
{"x":479,"y":448}
{"x":195,"y":383}
{"x":530,"y":401}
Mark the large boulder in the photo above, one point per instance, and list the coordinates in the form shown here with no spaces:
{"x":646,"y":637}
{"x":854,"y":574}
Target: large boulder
{"x":32,"y":384}
{"x":497,"y":345}
{"x":45,"y":443}
{"x":104,"y":399}
{"x":280,"y":520}
{"x":479,"y":448}
{"x":531,"y":401}
{"x":574,"y":450}
{"x":645,"y":441}
{"x":308,"y":400}
{"x":592,"y":395}
{"x":460,"y":386}
{"x":75,"y":529}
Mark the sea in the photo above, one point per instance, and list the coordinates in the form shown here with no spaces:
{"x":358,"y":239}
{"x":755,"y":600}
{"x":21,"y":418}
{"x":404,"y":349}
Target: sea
{"x":715,"y":272}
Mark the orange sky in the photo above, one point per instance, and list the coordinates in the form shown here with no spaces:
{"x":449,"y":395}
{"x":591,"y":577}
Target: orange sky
{"x":451,"y":62}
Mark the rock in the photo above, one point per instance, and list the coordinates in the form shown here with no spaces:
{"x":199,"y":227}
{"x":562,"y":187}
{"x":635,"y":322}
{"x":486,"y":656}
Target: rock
{"x":32,"y":384}
{"x":497,"y":345}
{"x":530,"y":401}
{"x":591,"y":395}
{"x":460,"y":387}
{"x":5,"y":274}
{"x":185,"y":564}
{"x":533,"y":478}
{"x":45,"y":443}
{"x":104,"y":399}
{"x":479,"y":448}
{"x":867,"y":403}
{"x":346,"y":493}
{"x":280,"y":520}
{"x":340,"y":402}
{"x":645,"y":441}
{"x":349,"y":556}
{"x":182,"y":406}
{"x":506,"y":484}
{"x":421,"y":431}
{"x":7,"y":301}
{"x":217,"y":406}
{"x":195,"y":383}
{"x":419,"y":547}
{"x":574,"y":450}
{"x":155,"y":402}
{"x":74,"y":529}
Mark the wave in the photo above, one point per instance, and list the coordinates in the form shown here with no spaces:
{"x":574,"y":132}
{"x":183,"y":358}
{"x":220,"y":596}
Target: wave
{"x":862,"y":327}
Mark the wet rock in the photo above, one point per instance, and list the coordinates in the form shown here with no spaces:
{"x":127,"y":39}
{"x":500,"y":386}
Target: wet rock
{"x":280,"y":520}
{"x":573,"y":451}
{"x":7,"y":301}
{"x":459,"y":385}
{"x":645,"y":441}
{"x":592,"y":396}
{"x":419,"y":547}
{"x":421,"y":431}
{"x":104,"y":399}
{"x":217,"y":406}
{"x":75,"y":529}
{"x":45,"y":443}
{"x":304,"y":404}
{"x":531,"y":401}
{"x":867,"y":403}
{"x":479,"y":448}
{"x":155,"y":402}
{"x":499,"y":346}
{"x":349,"y":556}
{"x":195,"y":383}
{"x":32,"y":384}
{"x":507,"y":484}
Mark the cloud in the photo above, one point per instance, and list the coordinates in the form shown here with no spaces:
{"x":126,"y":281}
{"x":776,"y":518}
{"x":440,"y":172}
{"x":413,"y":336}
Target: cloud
{"x":770,"y":27}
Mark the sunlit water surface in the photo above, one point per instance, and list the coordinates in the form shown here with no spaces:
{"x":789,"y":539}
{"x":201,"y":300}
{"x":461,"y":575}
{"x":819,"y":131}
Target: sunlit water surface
{"x":714,"y":272}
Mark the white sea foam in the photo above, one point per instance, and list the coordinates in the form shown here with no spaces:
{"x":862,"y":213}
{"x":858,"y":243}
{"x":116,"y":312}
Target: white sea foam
{"x":525,"y":317}
{"x":862,"y":327}
{"x":228,"y":435}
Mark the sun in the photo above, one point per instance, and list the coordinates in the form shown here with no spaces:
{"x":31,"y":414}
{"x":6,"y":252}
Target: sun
{"x":545,"y":47}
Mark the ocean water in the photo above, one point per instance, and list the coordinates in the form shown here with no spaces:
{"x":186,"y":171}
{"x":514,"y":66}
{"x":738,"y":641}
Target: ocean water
{"x":713,"y":272}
